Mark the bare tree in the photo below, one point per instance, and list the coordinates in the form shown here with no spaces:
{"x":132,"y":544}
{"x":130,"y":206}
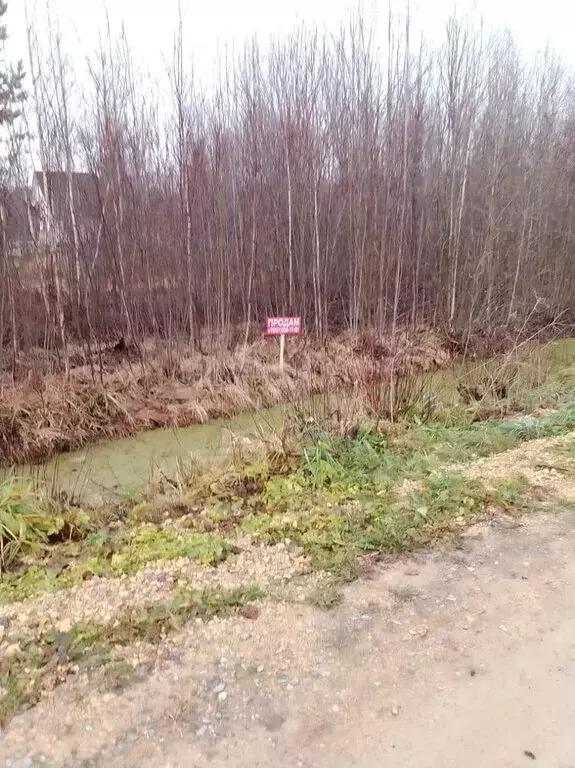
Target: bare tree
{"x":363,"y":184}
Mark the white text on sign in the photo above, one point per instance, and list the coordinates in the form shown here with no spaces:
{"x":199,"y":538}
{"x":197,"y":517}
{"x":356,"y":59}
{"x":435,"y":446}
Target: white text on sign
{"x":278,"y":326}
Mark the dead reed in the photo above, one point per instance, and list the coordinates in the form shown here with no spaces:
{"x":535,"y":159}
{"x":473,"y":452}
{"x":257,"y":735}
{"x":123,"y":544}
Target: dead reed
{"x":39,"y":419}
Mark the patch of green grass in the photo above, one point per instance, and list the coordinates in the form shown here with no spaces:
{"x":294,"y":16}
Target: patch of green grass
{"x":354,"y":468}
{"x":32,"y":581}
{"x":334,"y":535}
{"x":100,"y":555}
{"x":43,"y":663}
{"x":440,"y":444}
{"x":148,"y":544}
{"x":437,"y":443}
{"x":343,"y":499}
{"x":335,"y":459}
{"x":347,"y":467}
{"x":547,"y":425}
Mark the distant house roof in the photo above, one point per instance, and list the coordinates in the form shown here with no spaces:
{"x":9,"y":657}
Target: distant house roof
{"x":17,"y":219}
{"x":55,"y":190}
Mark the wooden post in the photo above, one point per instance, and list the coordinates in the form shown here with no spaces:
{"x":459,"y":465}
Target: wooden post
{"x":282,"y":327}
{"x":282,"y":350}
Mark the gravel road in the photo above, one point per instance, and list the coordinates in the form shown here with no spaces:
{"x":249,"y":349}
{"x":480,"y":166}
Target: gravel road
{"x":449,"y":659}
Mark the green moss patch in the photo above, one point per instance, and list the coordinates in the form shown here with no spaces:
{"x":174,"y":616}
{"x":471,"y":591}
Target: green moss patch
{"x":102,"y":555}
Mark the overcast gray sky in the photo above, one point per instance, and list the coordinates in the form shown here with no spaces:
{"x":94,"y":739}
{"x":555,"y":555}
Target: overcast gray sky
{"x":150,"y":24}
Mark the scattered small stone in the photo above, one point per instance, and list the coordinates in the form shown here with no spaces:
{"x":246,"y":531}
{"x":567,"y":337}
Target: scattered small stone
{"x":65,"y":625}
{"x":503,"y":628}
{"x":88,"y":727}
{"x":404,"y":592}
{"x":222,"y":696}
{"x":219,"y":688}
{"x":395,"y":710}
{"x":12,"y":650}
{"x":335,"y":708}
{"x":250,"y":612}
{"x":273,"y":721}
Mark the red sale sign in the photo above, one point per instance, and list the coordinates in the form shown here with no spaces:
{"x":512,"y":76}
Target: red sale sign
{"x":283,"y":326}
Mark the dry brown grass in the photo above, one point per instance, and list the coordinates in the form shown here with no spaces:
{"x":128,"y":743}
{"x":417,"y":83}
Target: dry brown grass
{"x":42,"y":414}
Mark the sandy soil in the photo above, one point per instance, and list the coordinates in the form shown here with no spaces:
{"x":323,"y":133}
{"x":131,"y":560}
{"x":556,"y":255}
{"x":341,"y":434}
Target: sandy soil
{"x":451,"y":658}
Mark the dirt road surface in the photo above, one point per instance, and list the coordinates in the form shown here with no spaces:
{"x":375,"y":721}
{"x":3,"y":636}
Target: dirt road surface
{"x":446,"y":659}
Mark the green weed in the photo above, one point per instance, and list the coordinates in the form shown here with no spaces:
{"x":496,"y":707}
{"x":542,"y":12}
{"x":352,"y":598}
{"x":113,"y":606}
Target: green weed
{"x":10,"y":696}
{"x":325,"y":596}
{"x":32,"y":581}
{"x":333,"y":535}
{"x":117,"y":675}
{"x":27,"y":520}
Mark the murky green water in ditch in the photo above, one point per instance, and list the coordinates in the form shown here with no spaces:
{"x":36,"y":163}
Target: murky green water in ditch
{"x":124,"y":467}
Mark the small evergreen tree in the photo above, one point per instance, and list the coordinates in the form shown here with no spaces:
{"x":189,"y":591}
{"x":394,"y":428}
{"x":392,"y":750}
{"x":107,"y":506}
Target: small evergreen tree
{"x":12,"y":97}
